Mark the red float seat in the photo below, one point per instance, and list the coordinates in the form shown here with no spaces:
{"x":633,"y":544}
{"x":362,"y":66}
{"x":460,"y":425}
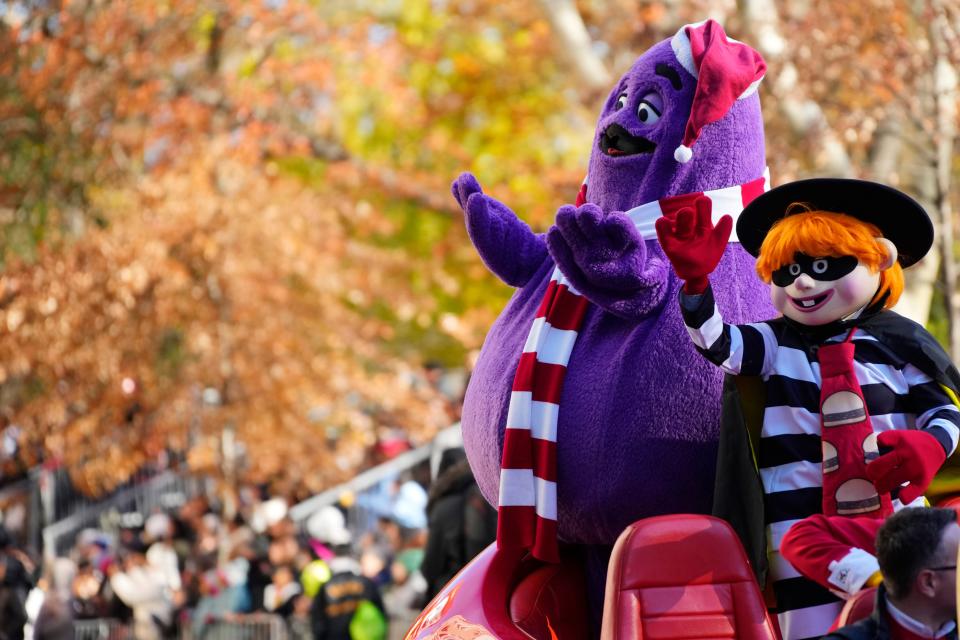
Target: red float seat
{"x":552,"y":602}
{"x":682,"y":577}
{"x":857,"y":608}
{"x":953,"y":502}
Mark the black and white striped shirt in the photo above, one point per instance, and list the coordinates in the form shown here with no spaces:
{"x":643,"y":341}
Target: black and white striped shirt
{"x":898,"y":396}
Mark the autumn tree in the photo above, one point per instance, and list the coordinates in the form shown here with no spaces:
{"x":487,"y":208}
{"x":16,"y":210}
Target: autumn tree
{"x":271,"y":227}
{"x":235,"y":215}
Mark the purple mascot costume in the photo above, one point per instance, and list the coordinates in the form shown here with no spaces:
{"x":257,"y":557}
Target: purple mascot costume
{"x":636,"y":419}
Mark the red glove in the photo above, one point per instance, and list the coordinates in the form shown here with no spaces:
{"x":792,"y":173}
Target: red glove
{"x":691,"y":242}
{"x":916,"y":457}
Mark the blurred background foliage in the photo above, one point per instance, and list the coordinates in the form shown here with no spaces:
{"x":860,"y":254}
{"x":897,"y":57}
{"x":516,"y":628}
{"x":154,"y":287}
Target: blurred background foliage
{"x":235,"y":213}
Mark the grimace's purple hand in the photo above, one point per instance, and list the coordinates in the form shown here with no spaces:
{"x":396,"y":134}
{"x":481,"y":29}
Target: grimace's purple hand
{"x":605,"y":258}
{"x":505,"y":243}
{"x":463,"y":187}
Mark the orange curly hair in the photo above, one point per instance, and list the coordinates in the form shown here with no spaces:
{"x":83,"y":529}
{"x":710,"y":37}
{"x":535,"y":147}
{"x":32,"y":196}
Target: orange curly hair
{"x":825,"y":233}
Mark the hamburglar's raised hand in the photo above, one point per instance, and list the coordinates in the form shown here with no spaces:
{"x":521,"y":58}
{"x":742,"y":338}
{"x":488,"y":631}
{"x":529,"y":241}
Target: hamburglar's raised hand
{"x":693,"y":244}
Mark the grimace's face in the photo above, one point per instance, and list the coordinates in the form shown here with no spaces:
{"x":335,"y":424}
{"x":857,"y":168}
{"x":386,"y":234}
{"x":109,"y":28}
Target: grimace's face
{"x":644,"y":116}
{"x":642,"y":123}
{"x":637,"y":115}
{"x":819,"y":290}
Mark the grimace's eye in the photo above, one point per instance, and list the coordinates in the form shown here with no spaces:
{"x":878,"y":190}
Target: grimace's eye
{"x":647,"y":113}
{"x":621,"y":102}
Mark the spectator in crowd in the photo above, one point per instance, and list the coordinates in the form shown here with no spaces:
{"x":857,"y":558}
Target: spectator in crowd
{"x":408,"y":582}
{"x":54,"y":621}
{"x":15,"y":584}
{"x":262,"y":514}
{"x":19,"y":565}
{"x":93,"y":547}
{"x":917,"y":554}
{"x":460,"y":522}
{"x":161,"y":555}
{"x":142,"y":587}
{"x":191,"y":568}
{"x":284,"y":546}
{"x":409,"y":505}
{"x":12,"y":610}
{"x":224,"y":594}
{"x":348,"y":606}
{"x":86,"y":592}
{"x":280,"y":595}
{"x":314,"y":574}
{"x":214,"y":602}
{"x":377,"y":549}
{"x":55,"y":618}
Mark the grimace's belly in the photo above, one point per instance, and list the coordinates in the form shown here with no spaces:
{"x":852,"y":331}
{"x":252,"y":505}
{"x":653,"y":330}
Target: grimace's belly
{"x":638,"y":421}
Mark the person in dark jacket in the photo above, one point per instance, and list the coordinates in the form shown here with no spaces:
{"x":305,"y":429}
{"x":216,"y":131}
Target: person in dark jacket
{"x":460,"y":523}
{"x":345,"y":601}
{"x":55,"y":620}
{"x":12,"y":614}
{"x":15,"y":583}
{"x":917,"y":552}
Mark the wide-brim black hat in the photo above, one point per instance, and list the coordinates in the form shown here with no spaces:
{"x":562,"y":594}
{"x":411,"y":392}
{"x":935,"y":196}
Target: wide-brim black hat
{"x":899,"y":217}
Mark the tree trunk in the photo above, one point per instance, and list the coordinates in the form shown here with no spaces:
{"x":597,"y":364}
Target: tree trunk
{"x":884,"y":163}
{"x":568,"y":26}
{"x":920,"y":280}
{"x":945,"y":100}
{"x":804,"y":115}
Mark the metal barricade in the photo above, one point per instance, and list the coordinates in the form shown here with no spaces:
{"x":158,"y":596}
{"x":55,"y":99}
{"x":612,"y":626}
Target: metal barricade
{"x":254,"y":626}
{"x":160,"y":492}
{"x":101,"y":629}
{"x":366,"y":488}
{"x":61,"y":499}
{"x":20,"y":506}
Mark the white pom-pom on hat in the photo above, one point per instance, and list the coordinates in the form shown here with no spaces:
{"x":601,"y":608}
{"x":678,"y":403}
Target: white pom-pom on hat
{"x":682,"y":154}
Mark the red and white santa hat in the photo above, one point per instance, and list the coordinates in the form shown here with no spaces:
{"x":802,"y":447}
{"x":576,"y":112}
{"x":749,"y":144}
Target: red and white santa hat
{"x":726,"y":71}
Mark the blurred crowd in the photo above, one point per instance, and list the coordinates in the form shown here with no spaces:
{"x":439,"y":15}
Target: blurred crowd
{"x":188,"y":571}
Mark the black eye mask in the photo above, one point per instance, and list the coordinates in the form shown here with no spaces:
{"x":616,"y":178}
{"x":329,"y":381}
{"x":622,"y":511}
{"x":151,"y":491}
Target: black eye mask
{"x":822,"y":269}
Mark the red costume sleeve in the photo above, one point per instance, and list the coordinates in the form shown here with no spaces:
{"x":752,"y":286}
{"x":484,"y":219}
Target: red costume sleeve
{"x":836,"y":552}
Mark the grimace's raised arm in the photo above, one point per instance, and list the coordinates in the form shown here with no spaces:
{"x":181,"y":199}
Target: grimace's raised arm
{"x":506,"y":244}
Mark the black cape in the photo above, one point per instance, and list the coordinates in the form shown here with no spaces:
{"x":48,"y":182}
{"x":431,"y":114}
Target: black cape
{"x":738,"y":493}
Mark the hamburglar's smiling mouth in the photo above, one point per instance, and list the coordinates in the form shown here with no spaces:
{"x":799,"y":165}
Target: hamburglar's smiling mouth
{"x":812,"y":303}
{"x":617,"y":141}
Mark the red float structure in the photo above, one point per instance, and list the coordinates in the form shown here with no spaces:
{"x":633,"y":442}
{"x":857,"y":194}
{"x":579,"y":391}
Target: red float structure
{"x":670,"y":577}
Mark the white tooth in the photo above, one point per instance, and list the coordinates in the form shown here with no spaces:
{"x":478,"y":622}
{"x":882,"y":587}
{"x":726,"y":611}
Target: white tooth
{"x":807,"y":303}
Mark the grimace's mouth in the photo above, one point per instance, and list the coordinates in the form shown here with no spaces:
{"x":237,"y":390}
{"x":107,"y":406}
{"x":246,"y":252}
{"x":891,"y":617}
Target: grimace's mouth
{"x":617,"y":141}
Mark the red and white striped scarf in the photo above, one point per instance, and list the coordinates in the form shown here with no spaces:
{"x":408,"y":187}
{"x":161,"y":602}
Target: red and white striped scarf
{"x":528,"y":468}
